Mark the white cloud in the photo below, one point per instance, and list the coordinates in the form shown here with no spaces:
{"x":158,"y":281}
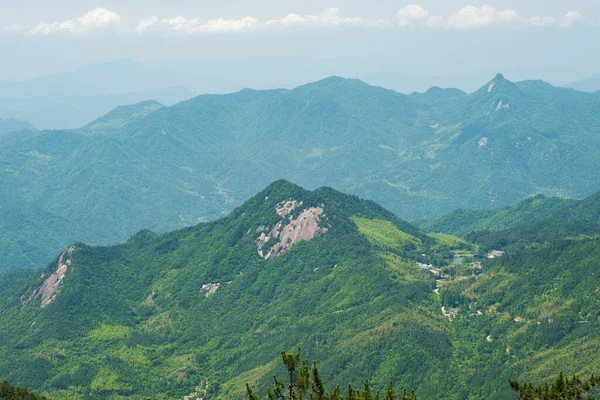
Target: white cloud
{"x":568,"y":20}
{"x":467,"y":17}
{"x":331,"y":17}
{"x":195,"y":26}
{"x":412,"y":14}
{"x":100,"y":18}
{"x":473,"y":17}
{"x":146,"y":24}
{"x":220,"y":25}
{"x":571,"y":18}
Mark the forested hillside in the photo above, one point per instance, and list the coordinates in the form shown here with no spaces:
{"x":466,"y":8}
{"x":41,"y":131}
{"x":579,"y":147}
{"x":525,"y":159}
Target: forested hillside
{"x":206,"y":309}
{"x":163,"y":168}
{"x":528,"y":212}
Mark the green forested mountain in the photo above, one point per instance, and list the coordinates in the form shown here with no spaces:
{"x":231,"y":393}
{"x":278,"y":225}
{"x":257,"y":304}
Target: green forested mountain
{"x":203,"y":310}
{"x":420,"y":156}
{"x":121,"y":116}
{"x":528,"y":212}
{"x":163,"y":314}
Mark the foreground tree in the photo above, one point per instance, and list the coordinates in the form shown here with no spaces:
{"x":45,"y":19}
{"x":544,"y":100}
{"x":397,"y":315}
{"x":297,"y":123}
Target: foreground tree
{"x":562,"y":388}
{"x":16,"y":393}
{"x":307,"y":384}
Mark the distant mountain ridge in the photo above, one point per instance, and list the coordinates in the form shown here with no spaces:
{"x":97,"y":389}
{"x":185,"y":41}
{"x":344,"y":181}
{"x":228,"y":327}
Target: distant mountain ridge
{"x":72,"y":99}
{"x":591,"y":84}
{"x":528,"y":212}
{"x":70,"y":112}
{"x":13,"y":125}
{"x":110,"y":78}
{"x":420,"y":156}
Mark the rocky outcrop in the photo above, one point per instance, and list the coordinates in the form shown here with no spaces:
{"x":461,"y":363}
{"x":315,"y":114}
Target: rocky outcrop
{"x":289,"y":231}
{"x":209,"y":288}
{"x":48,"y":290}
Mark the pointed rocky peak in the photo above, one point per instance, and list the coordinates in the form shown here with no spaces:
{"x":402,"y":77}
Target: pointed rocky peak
{"x":499,"y":77}
{"x":496,"y":83}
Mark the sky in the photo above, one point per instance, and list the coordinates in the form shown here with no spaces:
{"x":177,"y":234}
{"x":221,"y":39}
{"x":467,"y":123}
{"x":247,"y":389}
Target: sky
{"x":264,"y":43}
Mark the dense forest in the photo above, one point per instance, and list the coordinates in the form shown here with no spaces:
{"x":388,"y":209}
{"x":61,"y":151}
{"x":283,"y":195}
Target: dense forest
{"x":146,"y":166}
{"x":203,"y":310}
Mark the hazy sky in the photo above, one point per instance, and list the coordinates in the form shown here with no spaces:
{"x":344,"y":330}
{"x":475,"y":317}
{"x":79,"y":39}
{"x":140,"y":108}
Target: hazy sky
{"x":552,"y":39}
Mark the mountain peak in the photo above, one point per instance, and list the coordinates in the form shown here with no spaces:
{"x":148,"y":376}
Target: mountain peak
{"x":498,"y":81}
{"x":333,"y":82}
{"x":282,"y":186}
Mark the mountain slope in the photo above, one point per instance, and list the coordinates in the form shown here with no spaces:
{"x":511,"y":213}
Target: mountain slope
{"x":542,"y":297}
{"x":121,"y":116}
{"x":420,"y":156}
{"x":208,"y":308}
{"x":161,"y":314}
{"x":527,"y":212}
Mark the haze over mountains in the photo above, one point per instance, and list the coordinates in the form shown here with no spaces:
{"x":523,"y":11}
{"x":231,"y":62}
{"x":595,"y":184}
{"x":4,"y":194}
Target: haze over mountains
{"x":13,"y":125}
{"x":72,"y":99}
{"x":420,"y":155}
{"x":591,"y":84}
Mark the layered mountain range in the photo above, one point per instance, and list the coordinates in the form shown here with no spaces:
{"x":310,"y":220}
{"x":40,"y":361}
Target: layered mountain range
{"x":422,"y":155}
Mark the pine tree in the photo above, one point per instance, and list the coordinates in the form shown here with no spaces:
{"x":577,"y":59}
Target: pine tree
{"x":336,"y":394}
{"x":317,"y":386}
{"x":389,"y":393}
{"x":366,"y":393}
{"x":303,"y":382}
{"x":16,"y":393}
{"x":562,"y":388}
{"x":350,"y":394}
